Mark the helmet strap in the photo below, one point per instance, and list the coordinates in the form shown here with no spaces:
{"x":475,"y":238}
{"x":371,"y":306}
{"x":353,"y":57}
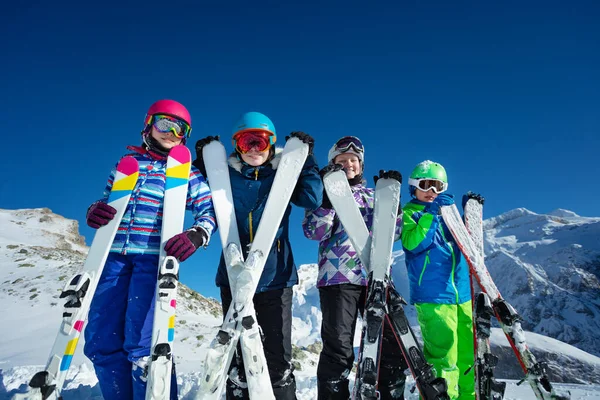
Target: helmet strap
{"x":153,"y":145}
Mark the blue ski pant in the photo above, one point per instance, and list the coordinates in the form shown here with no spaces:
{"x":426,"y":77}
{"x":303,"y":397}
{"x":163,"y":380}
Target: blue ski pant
{"x":118,"y":334}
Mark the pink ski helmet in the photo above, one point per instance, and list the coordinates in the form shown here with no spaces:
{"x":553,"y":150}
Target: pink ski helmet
{"x":166,"y":107}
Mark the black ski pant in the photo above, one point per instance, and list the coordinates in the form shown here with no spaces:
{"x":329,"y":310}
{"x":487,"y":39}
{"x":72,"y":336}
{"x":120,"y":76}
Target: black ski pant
{"x":341,"y":305}
{"x":274,"y":315}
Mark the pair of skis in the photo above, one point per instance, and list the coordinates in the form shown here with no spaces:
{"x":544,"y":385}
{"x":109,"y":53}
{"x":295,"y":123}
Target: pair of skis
{"x":486,"y":386}
{"x":79,"y":290}
{"x":491,"y":302}
{"x":179,"y":164}
{"x":240,"y":323}
{"x":383,"y":301}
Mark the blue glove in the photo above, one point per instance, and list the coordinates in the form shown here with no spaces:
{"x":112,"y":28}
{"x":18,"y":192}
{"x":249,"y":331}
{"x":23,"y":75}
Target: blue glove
{"x":440,"y":201}
{"x":471,"y":195}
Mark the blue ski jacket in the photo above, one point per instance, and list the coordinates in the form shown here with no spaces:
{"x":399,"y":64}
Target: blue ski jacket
{"x":139,"y":230}
{"x":437,"y":271}
{"x":250,"y":188}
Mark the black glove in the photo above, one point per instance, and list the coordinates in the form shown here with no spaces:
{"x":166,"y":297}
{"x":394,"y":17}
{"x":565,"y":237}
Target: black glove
{"x":470,"y":195}
{"x":305,"y":138}
{"x":391,"y":174}
{"x":330,"y":168}
{"x":324,"y":171}
{"x":199,"y":161}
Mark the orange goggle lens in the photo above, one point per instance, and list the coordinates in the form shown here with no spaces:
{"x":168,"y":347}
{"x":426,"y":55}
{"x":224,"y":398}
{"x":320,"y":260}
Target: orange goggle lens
{"x":248,"y":140}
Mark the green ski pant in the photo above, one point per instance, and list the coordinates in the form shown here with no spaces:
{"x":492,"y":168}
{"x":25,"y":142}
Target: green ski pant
{"x":447,"y":331}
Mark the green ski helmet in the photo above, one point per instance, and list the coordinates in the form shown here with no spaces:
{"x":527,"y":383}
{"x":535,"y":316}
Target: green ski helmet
{"x":428,"y":175}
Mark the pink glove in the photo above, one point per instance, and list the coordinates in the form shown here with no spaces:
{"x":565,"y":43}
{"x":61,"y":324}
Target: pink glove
{"x":184,"y":244}
{"x":99,"y":214}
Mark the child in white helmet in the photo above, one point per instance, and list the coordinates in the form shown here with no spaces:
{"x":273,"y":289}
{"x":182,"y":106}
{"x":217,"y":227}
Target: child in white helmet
{"x":342,"y":284}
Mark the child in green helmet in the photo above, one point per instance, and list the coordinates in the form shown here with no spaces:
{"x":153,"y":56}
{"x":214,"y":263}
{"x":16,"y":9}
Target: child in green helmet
{"x":439,"y":280}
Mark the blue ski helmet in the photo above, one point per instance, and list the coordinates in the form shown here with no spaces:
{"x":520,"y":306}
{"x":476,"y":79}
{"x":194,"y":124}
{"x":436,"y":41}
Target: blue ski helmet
{"x":255,"y":121}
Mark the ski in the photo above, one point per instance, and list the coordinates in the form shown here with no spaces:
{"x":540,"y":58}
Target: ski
{"x":340,"y":194}
{"x":383,"y":301}
{"x":221,"y":350}
{"x":507,"y":316}
{"x":486,"y":387}
{"x":387,"y":199}
{"x":79,"y":291}
{"x":165,"y":298}
{"x":240,"y":323}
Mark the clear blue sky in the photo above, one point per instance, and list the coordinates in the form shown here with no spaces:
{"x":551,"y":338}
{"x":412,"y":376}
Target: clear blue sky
{"x":506,"y":95}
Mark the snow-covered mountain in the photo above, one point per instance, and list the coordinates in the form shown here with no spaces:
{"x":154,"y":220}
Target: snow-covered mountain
{"x":548,"y":267}
{"x":39,"y":250}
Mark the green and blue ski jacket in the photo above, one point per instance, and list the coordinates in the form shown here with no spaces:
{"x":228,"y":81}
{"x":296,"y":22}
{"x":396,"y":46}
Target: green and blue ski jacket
{"x":437,"y":270}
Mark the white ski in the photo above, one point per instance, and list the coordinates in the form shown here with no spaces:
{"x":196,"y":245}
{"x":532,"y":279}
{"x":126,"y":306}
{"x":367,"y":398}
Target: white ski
{"x":486,"y":387}
{"x":165,"y":300}
{"x":79,"y":291}
{"x":240,"y":320}
{"x":387,"y":199}
{"x":339,"y":193}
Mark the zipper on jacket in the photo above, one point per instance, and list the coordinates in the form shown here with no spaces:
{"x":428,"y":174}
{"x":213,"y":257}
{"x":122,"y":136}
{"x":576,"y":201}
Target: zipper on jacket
{"x":424,"y":267}
{"x":250,"y":215}
{"x":453,"y":264}
{"x":250,"y":227}
{"x":278,"y":246}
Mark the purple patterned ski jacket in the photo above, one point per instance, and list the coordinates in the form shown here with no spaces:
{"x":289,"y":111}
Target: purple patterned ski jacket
{"x":338,"y":261}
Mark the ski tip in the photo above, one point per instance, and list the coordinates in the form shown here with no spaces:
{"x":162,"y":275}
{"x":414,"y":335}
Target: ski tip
{"x":125,"y":178}
{"x":127,"y":166}
{"x":181,"y":154}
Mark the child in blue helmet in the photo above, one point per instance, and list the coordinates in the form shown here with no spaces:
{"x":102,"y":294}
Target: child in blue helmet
{"x":118,"y":334}
{"x":440,"y":286}
{"x":252,"y":168}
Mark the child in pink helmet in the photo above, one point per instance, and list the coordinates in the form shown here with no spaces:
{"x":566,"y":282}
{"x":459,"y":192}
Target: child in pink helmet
{"x":119,"y":329}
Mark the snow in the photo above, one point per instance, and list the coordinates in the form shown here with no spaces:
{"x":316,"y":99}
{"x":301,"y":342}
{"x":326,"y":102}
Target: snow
{"x":39,"y":250}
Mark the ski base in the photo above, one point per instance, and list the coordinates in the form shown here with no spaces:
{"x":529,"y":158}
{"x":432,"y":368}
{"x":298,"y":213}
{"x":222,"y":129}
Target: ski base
{"x":487,"y":387}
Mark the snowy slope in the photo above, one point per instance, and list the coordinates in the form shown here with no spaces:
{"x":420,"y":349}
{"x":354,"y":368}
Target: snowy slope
{"x":39,"y":250}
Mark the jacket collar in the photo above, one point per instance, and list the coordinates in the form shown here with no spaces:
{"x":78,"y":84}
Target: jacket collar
{"x":419,"y":202}
{"x":148,"y":153}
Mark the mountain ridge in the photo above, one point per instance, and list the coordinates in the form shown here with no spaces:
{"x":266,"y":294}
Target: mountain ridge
{"x":34,"y":268}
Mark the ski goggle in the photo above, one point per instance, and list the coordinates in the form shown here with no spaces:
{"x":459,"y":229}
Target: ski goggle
{"x":248,"y":140}
{"x":349,"y":142}
{"x":429,"y":184}
{"x":166,"y":123}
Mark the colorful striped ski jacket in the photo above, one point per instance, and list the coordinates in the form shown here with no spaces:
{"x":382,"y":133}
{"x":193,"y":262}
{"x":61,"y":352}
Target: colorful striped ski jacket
{"x":338,"y":262}
{"x":139,"y":231}
{"x":437,"y":270}
{"x":250,"y":188}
